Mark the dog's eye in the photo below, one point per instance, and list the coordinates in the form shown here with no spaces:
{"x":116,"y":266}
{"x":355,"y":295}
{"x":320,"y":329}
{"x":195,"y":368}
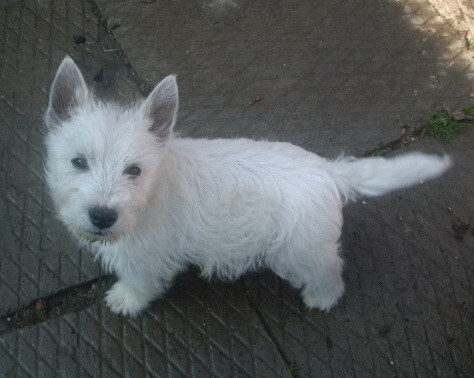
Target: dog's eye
{"x":133,"y":170}
{"x":80,"y":163}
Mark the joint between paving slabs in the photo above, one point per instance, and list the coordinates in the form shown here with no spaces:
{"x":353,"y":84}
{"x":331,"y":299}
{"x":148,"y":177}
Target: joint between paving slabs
{"x":407,"y":136}
{"x":72,"y":299}
{"x":142,"y":85}
{"x":268,"y":329}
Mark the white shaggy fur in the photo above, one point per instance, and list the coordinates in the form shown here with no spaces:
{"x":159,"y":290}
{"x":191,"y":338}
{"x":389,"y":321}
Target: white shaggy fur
{"x":227,"y":206}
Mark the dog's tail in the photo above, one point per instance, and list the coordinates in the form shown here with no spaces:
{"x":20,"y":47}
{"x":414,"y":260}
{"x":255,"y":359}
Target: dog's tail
{"x":376,"y":176}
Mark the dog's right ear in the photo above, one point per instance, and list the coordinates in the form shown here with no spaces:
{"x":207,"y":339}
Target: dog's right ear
{"x":69,"y":91}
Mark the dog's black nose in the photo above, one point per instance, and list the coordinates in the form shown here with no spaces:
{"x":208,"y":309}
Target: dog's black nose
{"x":102,"y":217}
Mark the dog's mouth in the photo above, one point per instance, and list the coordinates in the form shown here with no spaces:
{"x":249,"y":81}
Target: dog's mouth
{"x":103,"y":236}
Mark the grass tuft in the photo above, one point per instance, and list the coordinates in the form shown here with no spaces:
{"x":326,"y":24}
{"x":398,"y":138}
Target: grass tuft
{"x":379,"y":153}
{"x":469,"y":111}
{"x":442,"y":126}
{"x":293,"y":369}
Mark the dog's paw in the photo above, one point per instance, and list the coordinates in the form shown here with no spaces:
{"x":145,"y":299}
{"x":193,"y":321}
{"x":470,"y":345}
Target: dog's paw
{"x":323,"y":301}
{"x":125,"y":300}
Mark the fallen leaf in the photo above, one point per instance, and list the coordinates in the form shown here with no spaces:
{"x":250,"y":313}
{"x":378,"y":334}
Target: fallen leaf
{"x":41,"y":304}
{"x":255,"y":100}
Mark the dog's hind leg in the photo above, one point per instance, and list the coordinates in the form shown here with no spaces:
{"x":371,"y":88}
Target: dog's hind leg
{"x":323,"y":287}
{"x":317,"y":273}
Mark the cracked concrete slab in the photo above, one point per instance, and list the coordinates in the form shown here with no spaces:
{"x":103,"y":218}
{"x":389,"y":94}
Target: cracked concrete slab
{"x":333,"y":77}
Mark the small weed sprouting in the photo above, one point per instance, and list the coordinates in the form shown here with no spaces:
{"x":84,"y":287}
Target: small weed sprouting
{"x":293,"y":369}
{"x":442,"y":126}
{"x":379,"y":153}
{"x":469,"y":111}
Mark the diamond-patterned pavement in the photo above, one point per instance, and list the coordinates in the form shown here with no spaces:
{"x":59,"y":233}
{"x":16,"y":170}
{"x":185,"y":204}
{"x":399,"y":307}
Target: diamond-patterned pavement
{"x":334,"y":76}
{"x":35,"y":38}
{"x":208,"y":331}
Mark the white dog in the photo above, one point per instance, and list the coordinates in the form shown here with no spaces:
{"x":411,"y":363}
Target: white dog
{"x":149,"y":204}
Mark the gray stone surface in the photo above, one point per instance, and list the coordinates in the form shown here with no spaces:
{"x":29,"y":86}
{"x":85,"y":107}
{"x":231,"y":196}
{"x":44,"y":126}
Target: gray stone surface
{"x":334,"y":76}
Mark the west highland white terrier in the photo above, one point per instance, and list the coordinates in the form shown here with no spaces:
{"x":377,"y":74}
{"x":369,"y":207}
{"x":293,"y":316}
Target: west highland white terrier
{"x":148,"y":204}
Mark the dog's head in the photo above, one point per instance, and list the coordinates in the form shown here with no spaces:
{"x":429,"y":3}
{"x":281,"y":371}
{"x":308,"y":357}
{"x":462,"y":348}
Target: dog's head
{"x":102,"y":160}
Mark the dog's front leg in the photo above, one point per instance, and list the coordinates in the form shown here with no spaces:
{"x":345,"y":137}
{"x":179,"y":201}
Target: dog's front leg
{"x":131,"y":294}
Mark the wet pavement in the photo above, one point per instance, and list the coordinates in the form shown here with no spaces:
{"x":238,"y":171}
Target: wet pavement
{"x":331,"y":76}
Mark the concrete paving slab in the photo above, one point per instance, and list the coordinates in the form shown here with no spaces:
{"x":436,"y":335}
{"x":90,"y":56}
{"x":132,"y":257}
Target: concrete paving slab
{"x":334,"y":76}
{"x":198,"y":330}
{"x":408,"y":309}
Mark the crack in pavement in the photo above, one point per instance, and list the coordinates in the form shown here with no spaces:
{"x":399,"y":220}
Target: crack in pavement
{"x":141,"y":84}
{"x":268,"y":329}
{"x":72,"y":299}
{"x":407,"y":136}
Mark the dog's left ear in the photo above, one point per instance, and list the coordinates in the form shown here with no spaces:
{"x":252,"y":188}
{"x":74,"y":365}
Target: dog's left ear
{"x":161,"y":107}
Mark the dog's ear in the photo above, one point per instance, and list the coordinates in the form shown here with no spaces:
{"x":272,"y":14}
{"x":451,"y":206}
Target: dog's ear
{"x":161,"y":107}
{"x":69,"y":90}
